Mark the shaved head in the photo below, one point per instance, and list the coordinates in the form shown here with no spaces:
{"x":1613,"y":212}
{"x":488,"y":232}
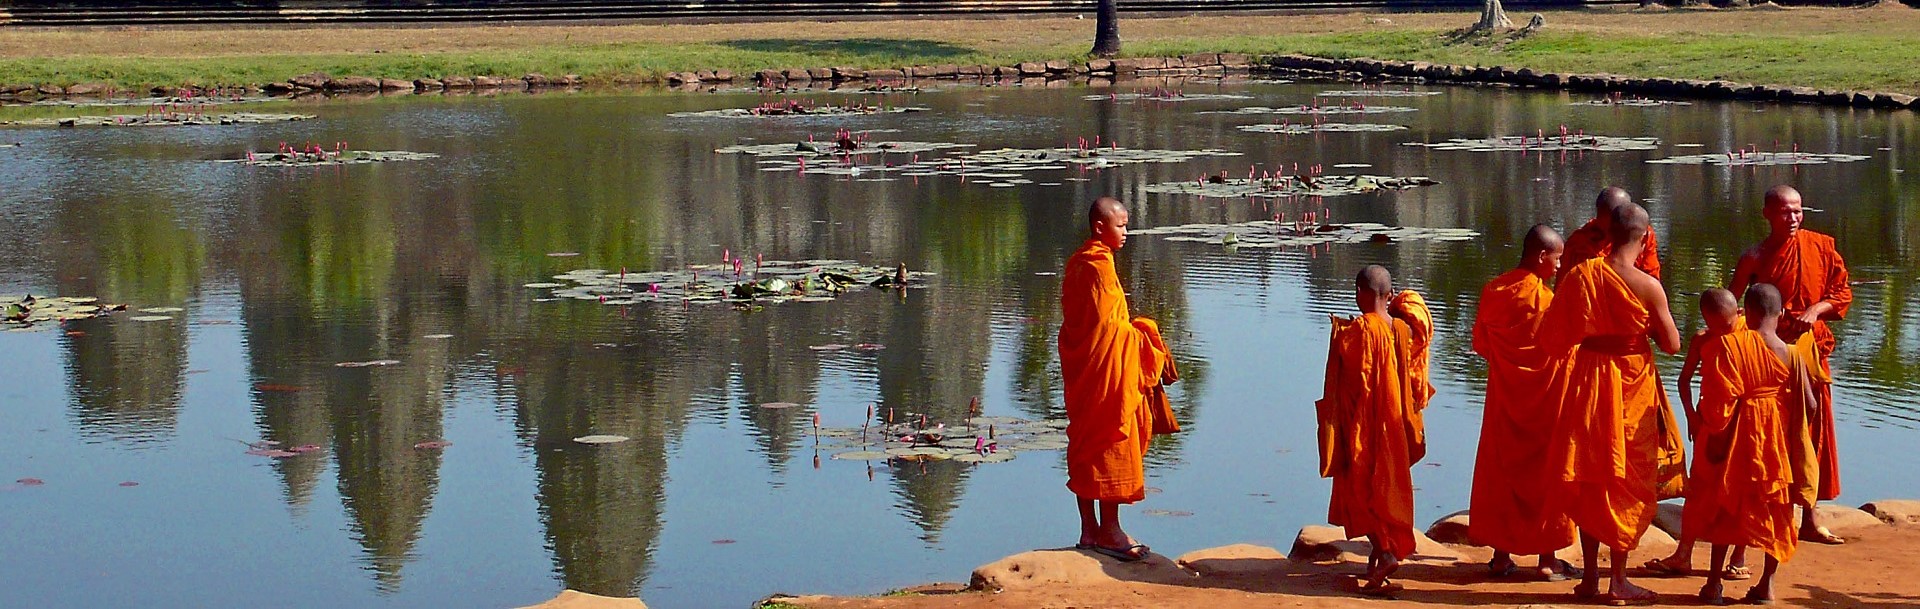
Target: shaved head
{"x":1374,"y":279}
{"x":1105,"y":209}
{"x":1784,"y":210}
{"x":1718,"y":301}
{"x":1763,"y":300}
{"x":1611,"y":198}
{"x":1541,"y":239}
{"x":1781,"y":195}
{"x":1629,"y":224}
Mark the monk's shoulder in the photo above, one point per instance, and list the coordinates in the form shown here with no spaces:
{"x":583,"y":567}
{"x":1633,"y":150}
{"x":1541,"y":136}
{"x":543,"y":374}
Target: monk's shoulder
{"x":1824,"y":242}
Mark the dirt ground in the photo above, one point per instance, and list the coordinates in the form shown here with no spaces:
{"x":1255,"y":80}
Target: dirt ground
{"x":1874,"y":571}
{"x":983,"y":34}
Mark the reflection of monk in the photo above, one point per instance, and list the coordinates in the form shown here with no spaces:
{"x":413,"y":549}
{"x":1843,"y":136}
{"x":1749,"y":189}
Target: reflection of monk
{"x":1741,"y":492}
{"x":1510,"y":473}
{"x":1812,"y":279}
{"x":1112,"y":364}
{"x":1371,"y":430}
{"x":1591,"y":241}
{"x":1607,"y":441}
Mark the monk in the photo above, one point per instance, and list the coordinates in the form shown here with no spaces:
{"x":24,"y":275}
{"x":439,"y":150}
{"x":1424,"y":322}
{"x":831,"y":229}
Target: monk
{"x":1112,"y":364}
{"x":1590,"y":241}
{"x":1372,"y":429}
{"x":1721,"y":313}
{"x":1524,"y":382}
{"x":1606,"y":445}
{"x":1742,"y":484}
{"x":1812,"y":279}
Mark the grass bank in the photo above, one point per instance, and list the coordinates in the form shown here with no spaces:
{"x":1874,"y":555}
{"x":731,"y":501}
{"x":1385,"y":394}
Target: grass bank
{"x":1868,"y":49}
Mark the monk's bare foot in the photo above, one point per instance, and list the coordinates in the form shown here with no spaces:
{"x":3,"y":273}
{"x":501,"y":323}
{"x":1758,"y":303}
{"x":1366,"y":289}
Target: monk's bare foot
{"x":1586,"y":591}
{"x":1761,"y":594}
{"x":1624,"y":593}
{"x":1712,"y":594}
{"x":1667,"y":567}
{"x":1501,"y":566}
{"x":1377,"y":576}
{"x":1820,"y":535}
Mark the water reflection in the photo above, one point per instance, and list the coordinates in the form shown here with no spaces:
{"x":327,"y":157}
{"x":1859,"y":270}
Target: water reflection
{"x":423,"y":263}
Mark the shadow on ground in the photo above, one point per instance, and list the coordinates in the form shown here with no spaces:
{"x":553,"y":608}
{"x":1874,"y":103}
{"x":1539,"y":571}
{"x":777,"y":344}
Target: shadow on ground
{"x":878,"y":47}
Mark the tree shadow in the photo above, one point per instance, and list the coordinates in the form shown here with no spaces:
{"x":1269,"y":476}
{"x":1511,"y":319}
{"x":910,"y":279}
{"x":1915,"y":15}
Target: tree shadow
{"x":874,"y":47}
{"x":1822,"y":597}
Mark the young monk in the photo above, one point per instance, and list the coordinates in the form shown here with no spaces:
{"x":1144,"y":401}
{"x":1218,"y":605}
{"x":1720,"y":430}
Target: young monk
{"x":1110,"y":362}
{"x":1372,"y":430}
{"x":1591,"y":241}
{"x":1721,"y":313}
{"x":1606,"y":442}
{"x":1812,"y":278}
{"x":1742,"y":491}
{"x":1524,"y":383}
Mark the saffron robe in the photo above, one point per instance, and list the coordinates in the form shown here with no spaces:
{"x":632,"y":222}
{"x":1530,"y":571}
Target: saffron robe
{"x":1612,"y":435}
{"x":1372,"y":429}
{"x":1590,"y":241}
{"x":1109,"y":362}
{"x":1524,"y":385}
{"x":1808,"y":269}
{"x":1800,"y":413}
{"x":1741,"y":491}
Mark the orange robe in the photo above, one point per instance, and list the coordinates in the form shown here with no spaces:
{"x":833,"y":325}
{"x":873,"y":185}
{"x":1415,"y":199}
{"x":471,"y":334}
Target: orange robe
{"x":1372,"y":430}
{"x":1800,"y":412}
{"x":1607,"y":444}
{"x":1808,"y":269}
{"x":1590,"y":241}
{"x":1524,"y":385}
{"x":1109,"y":361}
{"x":1741,"y":491}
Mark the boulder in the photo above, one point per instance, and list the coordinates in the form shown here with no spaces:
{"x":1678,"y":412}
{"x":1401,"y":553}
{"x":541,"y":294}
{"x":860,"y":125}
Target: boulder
{"x":1656,"y":538}
{"x":1893,"y":100}
{"x":796,"y":74}
{"x":967,"y":71}
{"x":1317,"y":543}
{"x":681,"y":78}
{"x":946,"y":71}
{"x":1100,"y":66}
{"x":1234,"y":560}
{"x":6,"y":89}
{"x":537,"y":80}
{"x":846,"y":73}
{"x":1058,"y":66}
{"x":457,"y":82}
{"x":1894,"y":511}
{"x":1861,"y":99}
{"x":569,"y":599}
{"x":485,"y":82}
{"x":1235,"y":60}
{"x":1668,"y":518}
{"x":1031,"y":68}
{"x":89,"y":89}
{"x":573,"y":80}
{"x":888,"y":74}
{"x":278,"y":88}
{"x":1041,"y":568}
{"x":353,"y":83}
{"x":1200,"y":60}
{"x":1125,"y":66}
{"x":1840,"y":518}
{"x":1451,"y":529}
{"x":720,"y":76}
{"x":428,"y":84}
{"x":395,"y":84}
{"x":311,"y":80}
{"x":769,"y":77}
{"x":818,"y":74}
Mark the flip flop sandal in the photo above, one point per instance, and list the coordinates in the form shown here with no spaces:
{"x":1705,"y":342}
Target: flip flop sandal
{"x":1568,"y":571}
{"x":1822,"y":535}
{"x":1749,"y":599}
{"x":1659,"y":568}
{"x":1717,"y":600}
{"x":1614,"y":601}
{"x":1737,"y":574}
{"x":1502,"y":572}
{"x":1385,"y":589}
{"x":1581,"y":593}
{"x":1124,"y":554}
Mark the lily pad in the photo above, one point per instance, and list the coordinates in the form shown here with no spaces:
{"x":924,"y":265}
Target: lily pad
{"x":799,"y":108}
{"x":150,"y":317}
{"x":736,"y":281}
{"x":1304,"y":128}
{"x":861,"y":455}
{"x":1165,"y":95}
{"x":1167,"y":513}
{"x":1760,"y":159}
{"x":1290,"y":186}
{"x":162,"y":310}
{"x":158,"y":119}
{"x":1379,"y":93}
{"x":368,"y":363}
{"x":1317,"y":110}
{"x":1002,"y":456}
{"x":316,"y":157}
{"x":601,"y":439}
{"x":1545,"y":142}
{"x":844,"y":146}
{"x":1630,"y":102}
{"x":1272,"y":234}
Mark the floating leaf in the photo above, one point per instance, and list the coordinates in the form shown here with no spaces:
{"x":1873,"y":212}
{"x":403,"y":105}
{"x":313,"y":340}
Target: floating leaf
{"x":433,"y":445}
{"x":1000,"y":166}
{"x":1303,"y":128}
{"x":798,"y":108}
{"x":150,"y":317}
{"x":992,"y":457}
{"x":30,"y":482}
{"x":305,"y":448}
{"x":162,"y":310}
{"x":1759,"y":159}
{"x":438,"y":336}
{"x":159,"y":119}
{"x":1630,"y":102}
{"x":1163,"y":95}
{"x":861,"y":455}
{"x":1270,"y":234}
{"x":1289,"y":186}
{"x":129,"y":484}
{"x":1379,"y":93}
{"x":601,"y":439}
{"x":843,"y":147}
{"x":1545,"y":143}
{"x":323,"y":158}
{"x":377,"y":362}
{"x":1329,"y":110}
{"x":722,"y":542}
{"x":828,"y":347}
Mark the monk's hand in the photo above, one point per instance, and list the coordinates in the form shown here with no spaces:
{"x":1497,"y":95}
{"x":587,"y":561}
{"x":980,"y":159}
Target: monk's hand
{"x":1813,"y":313}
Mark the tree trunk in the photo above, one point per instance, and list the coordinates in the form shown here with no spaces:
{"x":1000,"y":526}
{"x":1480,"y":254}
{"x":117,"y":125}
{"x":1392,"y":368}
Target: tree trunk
{"x":1493,"y":17}
{"x":1106,"y":29}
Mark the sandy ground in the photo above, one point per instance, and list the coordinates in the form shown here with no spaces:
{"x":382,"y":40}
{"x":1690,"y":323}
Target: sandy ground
{"x":1876,"y":570}
{"x":983,"y":34}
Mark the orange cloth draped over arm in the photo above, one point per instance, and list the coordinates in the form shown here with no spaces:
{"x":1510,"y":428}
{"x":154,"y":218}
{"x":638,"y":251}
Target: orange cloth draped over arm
{"x":1800,"y":410}
{"x":1808,"y":269}
{"x":1524,"y":386}
{"x":1741,"y":492}
{"x":1607,"y":441}
{"x":1370,"y":415}
{"x":1590,"y":241}
{"x":1108,"y":363}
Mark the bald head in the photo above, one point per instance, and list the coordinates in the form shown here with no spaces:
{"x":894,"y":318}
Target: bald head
{"x":1540,"y":240}
{"x":1610,"y":199}
{"x":1718,"y":301}
{"x":1375,"y":280}
{"x":1780,"y":196}
{"x":1763,"y":301}
{"x":1629,"y":224}
{"x":1108,"y":220}
{"x":1105,"y":209}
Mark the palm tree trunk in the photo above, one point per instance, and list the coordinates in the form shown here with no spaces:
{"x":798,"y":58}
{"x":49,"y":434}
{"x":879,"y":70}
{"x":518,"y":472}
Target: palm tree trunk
{"x":1106,"y":29}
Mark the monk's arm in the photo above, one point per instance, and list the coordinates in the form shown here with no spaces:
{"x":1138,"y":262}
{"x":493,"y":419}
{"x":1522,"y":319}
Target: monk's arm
{"x":1836,"y":296}
{"x":1743,"y":272}
{"x":1664,"y":332}
{"x":1720,"y":388}
{"x":1687,"y":371}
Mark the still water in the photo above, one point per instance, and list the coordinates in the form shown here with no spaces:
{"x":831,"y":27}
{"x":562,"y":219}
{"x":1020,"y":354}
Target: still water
{"x":716,"y":502}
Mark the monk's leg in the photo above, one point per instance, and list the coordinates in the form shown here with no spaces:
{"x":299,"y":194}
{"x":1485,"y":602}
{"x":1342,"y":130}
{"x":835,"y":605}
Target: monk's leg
{"x":1810,"y":529}
{"x":1619,"y":589}
{"x":1714,"y":593}
{"x":1502,"y":564}
{"x":1680,"y":562}
{"x":1589,"y":556}
{"x":1110,"y":535}
{"x":1089,"y":525}
{"x":1737,"y":564}
{"x":1384,"y":563}
{"x":1762,"y":591}
{"x":1553,"y":569}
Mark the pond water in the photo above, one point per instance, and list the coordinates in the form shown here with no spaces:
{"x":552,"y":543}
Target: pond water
{"x":716,"y":502}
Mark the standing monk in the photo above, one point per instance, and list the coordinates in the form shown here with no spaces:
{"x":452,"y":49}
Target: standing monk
{"x":1742,"y":493}
{"x":1111,"y":362}
{"x":1371,"y":426}
{"x":1524,"y":383}
{"x":1812,"y":279}
{"x":1591,"y":241}
{"x":1607,"y":442}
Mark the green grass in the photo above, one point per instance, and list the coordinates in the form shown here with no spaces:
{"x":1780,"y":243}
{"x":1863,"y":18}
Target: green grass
{"x":1843,"y":61}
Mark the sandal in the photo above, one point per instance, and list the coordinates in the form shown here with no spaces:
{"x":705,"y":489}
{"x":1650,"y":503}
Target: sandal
{"x":1660,"y":568}
{"x":1734,"y":573}
{"x":1386,"y":588}
{"x":1821,"y":535}
{"x":1133,"y":553}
